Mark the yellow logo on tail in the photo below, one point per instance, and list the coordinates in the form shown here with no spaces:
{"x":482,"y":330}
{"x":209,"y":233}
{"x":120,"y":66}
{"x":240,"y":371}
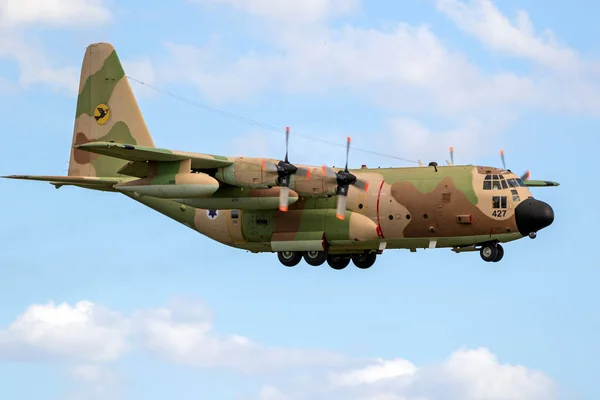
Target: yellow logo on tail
{"x":102,"y":114}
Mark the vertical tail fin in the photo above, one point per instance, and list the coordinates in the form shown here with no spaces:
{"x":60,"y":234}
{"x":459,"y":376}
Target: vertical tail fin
{"x":106,"y":111}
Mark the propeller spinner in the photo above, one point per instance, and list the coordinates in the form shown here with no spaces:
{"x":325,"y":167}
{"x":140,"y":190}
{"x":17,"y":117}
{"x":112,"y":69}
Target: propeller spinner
{"x":285,"y":170}
{"x":344,"y":179}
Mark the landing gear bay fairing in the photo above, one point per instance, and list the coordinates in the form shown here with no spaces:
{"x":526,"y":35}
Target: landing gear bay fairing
{"x":315,"y":213}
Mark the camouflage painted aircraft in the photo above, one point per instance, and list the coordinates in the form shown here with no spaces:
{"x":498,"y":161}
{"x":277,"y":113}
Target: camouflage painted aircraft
{"x":315,"y":213}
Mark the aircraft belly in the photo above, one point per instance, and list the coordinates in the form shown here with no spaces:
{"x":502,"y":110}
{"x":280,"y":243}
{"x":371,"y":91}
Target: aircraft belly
{"x":303,"y":230}
{"x":445,"y":242}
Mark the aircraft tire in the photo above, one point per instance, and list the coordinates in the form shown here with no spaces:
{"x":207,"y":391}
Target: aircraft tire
{"x":489,"y":252}
{"x":365,"y":260}
{"x":289,"y":258}
{"x":315,"y":258}
{"x":337,"y":261}
{"x":500,"y":253}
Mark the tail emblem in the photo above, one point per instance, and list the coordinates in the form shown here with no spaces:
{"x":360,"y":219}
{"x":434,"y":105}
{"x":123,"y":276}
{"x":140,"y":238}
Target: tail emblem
{"x":102,"y":114}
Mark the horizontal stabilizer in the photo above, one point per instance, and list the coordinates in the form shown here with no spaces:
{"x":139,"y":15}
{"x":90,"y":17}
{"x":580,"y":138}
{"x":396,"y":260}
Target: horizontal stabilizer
{"x":140,"y":153}
{"x":90,"y":182}
{"x":536,"y":183}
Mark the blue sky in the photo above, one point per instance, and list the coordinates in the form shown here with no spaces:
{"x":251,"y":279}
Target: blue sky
{"x":102,"y":298}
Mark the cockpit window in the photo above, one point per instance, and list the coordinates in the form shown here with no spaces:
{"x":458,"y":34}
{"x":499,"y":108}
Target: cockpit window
{"x":499,"y":182}
{"x":515,"y":195}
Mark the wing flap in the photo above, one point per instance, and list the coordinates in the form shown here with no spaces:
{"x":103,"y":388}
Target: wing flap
{"x":140,"y":153}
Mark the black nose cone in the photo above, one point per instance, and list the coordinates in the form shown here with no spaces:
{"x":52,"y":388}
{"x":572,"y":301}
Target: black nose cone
{"x":532,"y":215}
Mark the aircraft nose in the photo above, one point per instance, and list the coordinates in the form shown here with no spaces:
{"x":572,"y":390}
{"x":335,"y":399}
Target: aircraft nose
{"x":532,"y":215}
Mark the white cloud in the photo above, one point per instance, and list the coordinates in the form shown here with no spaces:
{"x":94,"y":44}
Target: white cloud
{"x":404,"y":67}
{"x":55,"y":13}
{"x":305,"y":11}
{"x":84,"y":331}
{"x":271,"y":393}
{"x":34,"y":66}
{"x":182,"y":332}
{"x":381,"y":370}
{"x":94,"y":382}
{"x":470,"y":141}
{"x":482,"y":19}
{"x":466,"y":375}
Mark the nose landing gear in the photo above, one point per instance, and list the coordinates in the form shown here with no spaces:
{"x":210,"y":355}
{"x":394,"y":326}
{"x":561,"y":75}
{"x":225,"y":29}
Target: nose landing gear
{"x":491,"y":252}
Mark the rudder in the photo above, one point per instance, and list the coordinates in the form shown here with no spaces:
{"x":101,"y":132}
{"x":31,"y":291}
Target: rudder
{"x":106,"y":111}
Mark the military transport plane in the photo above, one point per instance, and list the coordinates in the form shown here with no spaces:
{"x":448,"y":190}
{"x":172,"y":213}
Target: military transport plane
{"x":300,"y":212}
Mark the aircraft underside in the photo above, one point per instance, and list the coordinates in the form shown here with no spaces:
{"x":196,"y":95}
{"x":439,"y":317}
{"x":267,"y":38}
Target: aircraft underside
{"x":257,"y":231}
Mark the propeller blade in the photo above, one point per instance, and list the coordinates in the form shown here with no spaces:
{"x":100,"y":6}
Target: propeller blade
{"x":329,"y":174}
{"x":287,"y":142}
{"x":362,"y":185}
{"x":421,"y":163}
{"x":347,"y":152}
{"x":268,"y":166}
{"x":526,"y":176}
{"x":303,"y":172}
{"x":284,"y":195}
{"x":502,"y":156}
{"x":341,"y":207}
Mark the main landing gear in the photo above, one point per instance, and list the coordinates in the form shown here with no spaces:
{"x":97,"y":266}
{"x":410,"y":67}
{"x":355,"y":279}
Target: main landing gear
{"x":336,"y":261}
{"x":491,"y":252}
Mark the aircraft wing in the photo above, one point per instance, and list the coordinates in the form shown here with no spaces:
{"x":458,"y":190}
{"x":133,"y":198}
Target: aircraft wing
{"x":140,"y":153}
{"x":538,"y":183}
{"x":82,"y":181}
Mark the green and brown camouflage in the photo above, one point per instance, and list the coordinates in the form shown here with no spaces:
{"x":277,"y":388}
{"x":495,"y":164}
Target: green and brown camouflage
{"x":237,"y":200}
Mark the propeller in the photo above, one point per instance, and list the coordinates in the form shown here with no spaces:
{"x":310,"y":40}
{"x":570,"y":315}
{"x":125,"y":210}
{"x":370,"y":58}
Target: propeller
{"x":451,"y":162}
{"x":284,"y":170}
{"x":344,"y":179}
{"x":523,"y":177}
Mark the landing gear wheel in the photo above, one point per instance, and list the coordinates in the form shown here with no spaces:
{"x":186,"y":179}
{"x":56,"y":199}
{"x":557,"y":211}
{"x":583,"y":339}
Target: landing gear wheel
{"x":289,"y":258}
{"x":315,"y":258}
{"x":365,"y":260}
{"x":337,"y":261}
{"x":500,"y":253}
{"x":489,"y":252}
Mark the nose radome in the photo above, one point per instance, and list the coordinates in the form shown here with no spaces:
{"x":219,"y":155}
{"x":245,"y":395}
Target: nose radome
{"x":532,"y":215}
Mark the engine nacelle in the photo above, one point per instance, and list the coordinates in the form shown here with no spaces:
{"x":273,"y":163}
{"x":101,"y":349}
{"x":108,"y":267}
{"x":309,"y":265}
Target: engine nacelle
{"x":251,"y":173}
{"x":184,"y":185}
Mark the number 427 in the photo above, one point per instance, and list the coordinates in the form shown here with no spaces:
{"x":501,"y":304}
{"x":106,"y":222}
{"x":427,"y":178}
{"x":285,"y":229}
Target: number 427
{"x":499,"y":213}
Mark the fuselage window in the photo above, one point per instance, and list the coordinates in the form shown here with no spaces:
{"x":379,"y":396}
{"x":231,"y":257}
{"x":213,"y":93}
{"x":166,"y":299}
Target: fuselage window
{"x":512,"y":183}
{"x":520,"y":182}
{"x":487,"y":185}
{"x":496,"y":185}
{"x":504,"y":185}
